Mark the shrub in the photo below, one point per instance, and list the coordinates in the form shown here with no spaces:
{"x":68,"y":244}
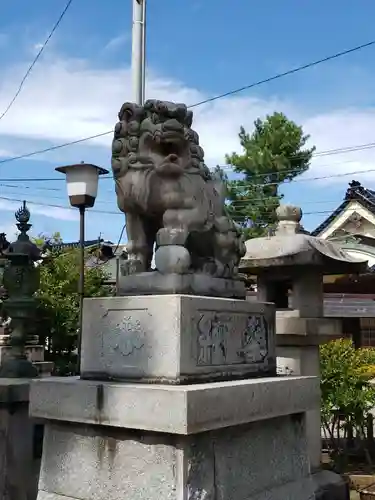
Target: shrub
{"x":58,"y":310}
{"x":347,"y":395}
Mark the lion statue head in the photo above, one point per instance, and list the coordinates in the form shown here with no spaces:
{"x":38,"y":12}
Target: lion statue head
{"x":157,"y":136}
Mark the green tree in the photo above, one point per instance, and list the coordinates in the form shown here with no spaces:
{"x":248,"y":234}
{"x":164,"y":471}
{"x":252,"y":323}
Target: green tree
{"x":274,"y":153}
{"x":347,"y":396}
{"x":41,"y":239}
{"x":59,"y":304}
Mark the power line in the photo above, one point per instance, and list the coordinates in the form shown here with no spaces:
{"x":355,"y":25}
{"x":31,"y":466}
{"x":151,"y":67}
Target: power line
{"x":19,"y":200}
{"x":239,"y":203}
{"x":308,"y":179}
{"x":36,"y":59}
{"x":38,"y":188}
{"x":243,"y":184}
{"x":53,"y":148}
{"x":265,"y":218}
{"x":119,"y":238}
{"x":48,"y":197}
{"x":328,"y":152}
{"x":286,"y":73}
{"x":42,"y":204}
{"x":205,"y":101}
{"x":233,"y":203}
{"x":348,"y":149}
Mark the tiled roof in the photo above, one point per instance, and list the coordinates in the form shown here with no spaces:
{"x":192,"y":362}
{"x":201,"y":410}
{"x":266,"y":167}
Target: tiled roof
{"x":355,"y":192}
{"x":74,"y":244}
{"x":344,"y":305}
{"x":106,"y":259}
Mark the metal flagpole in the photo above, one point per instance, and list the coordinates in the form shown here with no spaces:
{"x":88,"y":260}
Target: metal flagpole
{"x":139,"y":50}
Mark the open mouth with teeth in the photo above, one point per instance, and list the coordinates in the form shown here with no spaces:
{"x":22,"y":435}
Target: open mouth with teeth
{"x":167,"y":148}
{"x":167,"y":151}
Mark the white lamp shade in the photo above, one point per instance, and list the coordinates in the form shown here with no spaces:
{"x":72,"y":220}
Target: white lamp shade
{"x":82,"y":182}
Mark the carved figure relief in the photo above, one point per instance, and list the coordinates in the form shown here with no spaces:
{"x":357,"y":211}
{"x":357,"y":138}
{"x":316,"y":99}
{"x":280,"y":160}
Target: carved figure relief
{"x":254,"y":347}
{"x":224,"y":339}
{"x":212,"y":341}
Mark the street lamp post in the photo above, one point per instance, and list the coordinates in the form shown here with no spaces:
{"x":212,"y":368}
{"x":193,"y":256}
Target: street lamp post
{"x":82,"y":186}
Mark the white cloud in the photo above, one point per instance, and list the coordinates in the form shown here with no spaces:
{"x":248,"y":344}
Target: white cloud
{"x":37,"y":47}
{"x":343,"y":128}
{"x":5,"y":153}
{"x":66,"y":214}
{"x":10,"y":230}
{"x":68,"y":99}
{"x":117,"y":42}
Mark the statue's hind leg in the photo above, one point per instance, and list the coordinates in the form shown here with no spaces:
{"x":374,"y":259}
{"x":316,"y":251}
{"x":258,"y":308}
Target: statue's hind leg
{"x":138,"y":244}
{"x":151,"y":227}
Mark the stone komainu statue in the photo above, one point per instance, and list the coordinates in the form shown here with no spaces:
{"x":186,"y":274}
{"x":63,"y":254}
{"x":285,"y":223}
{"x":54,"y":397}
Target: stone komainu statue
{"x":169,"y":195}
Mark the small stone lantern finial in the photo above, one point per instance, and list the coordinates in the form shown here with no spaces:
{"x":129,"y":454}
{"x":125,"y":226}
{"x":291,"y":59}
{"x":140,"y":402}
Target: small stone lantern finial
{"x":289,"y":218}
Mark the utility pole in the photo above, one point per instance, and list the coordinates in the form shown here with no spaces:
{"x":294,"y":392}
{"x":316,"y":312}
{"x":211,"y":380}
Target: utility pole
{"x":139,"y":50}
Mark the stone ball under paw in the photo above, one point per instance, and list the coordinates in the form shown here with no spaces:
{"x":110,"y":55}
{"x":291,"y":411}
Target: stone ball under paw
{"x":172,"y":259}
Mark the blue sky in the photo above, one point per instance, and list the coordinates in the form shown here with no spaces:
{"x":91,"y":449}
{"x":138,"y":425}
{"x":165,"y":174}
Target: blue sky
{"x":195,"y":49}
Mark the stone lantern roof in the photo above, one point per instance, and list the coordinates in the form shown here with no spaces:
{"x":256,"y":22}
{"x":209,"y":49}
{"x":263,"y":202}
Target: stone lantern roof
{"x":291,"y":247}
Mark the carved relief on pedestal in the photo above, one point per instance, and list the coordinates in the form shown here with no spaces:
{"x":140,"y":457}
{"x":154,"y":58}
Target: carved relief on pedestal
{"x":255,"y":340}
{"x":127,"y":334}
{"x":130,"y":336}
{"x":224,"y":339}
{"x":213,"y":336}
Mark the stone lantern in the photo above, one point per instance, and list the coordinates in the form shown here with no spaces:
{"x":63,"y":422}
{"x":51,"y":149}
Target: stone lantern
{"x":21,"y":281}
{"x":293,"y":261}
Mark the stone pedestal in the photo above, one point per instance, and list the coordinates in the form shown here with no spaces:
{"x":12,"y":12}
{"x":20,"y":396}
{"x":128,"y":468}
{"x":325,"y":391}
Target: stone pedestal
{"x":242,"y":440}
{"x":35,"y":354}
{"x":177,"y":339}
{"x":33,"y":351}
{"x":173,"y":403}
{"x":20,"y":442}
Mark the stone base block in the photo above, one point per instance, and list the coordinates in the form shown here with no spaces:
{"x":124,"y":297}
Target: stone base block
{"x":176,"y":339}
{"x":304,"y":361}
{"x":154,"y":282}
{"x":35,"y":353}
{"x":241,"y":440}
{"x":330,"y":486}
{"x":246,"y":463}
{"x":293,"y":330}
{"x":19,"y":464}
{"x":44,"y":368}
{"x":176,"y":409}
